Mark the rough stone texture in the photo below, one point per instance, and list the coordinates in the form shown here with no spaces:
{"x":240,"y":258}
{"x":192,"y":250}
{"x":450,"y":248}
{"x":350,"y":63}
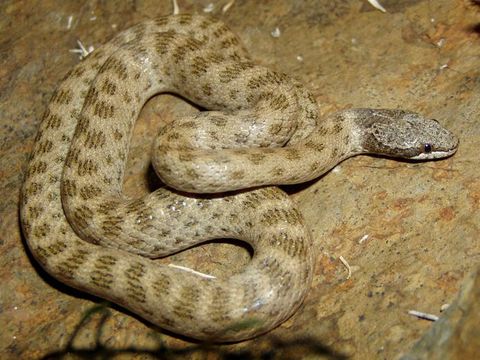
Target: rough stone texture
{"x":422,"y":220}
{"x":455,"y":335}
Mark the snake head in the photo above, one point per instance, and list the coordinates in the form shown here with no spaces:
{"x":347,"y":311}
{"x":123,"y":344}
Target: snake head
{"x":403,"y":134}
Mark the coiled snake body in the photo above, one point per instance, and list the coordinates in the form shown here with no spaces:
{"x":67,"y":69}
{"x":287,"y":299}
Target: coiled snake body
{"x":263,"y":128}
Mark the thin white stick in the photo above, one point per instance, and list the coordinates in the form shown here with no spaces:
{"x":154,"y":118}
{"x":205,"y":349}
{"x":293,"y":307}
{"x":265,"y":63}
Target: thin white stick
{"x":69,"y":22}
{"x":364,"y":238}
{"x":423,"y":315}
{"x":347,"y":265}
{"x":227,"y":6}
{"x":81,"y":50}
{"x":207,"y":276}
{"x":377,"y":5}
{"x":176,"y":9}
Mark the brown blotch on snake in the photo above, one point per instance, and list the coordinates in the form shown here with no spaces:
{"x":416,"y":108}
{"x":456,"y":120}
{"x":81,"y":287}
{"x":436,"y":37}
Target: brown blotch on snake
{"x":263,"y":129}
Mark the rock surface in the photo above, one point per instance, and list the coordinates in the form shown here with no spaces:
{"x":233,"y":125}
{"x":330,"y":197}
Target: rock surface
{"x":456,"y":334}
{"x":408,"y":230}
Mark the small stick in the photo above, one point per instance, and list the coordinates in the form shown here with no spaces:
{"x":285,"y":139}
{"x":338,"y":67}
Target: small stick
{"x":176,"y":9}
{"x":364,"y":238}
{"x":81,"y":50}
{"x":344,"y":262}
{"x":192,"y":271}
{"x":69,"y":22}
{"x":423,"y":315}
{"x":377,"y":5}
{"x":227,"y":6}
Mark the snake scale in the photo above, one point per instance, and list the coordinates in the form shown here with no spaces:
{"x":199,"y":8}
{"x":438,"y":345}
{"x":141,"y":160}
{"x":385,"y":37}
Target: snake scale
{"x":262,"y":128}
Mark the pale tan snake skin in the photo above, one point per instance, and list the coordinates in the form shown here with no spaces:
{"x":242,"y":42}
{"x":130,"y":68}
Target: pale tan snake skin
{"x":265,"y":130}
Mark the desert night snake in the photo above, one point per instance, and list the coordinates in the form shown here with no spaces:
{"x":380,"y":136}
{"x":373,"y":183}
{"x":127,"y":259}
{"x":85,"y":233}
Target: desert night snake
{"x":221,"y":166}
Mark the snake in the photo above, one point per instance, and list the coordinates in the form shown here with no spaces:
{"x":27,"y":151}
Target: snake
{"x":255,"y":129}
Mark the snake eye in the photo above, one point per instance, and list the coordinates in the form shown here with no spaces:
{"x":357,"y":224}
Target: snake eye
{"x":427,"y":148}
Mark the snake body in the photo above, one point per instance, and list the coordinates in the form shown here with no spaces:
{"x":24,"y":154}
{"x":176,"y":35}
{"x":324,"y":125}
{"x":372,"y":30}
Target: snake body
{"x":262,"y":128}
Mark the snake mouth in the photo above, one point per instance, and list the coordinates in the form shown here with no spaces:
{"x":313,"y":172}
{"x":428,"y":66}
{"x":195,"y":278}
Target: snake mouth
{"x":435,"y":155}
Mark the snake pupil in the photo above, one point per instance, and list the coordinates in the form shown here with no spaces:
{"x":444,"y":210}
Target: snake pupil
{"x":427,"y":148}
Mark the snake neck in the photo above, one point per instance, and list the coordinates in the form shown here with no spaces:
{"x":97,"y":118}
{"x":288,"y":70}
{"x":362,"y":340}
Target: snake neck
{"x":350,"y":130}
{"x":336,"y":138}
{"x":361,"y":124}
{"x":364,"y":131}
